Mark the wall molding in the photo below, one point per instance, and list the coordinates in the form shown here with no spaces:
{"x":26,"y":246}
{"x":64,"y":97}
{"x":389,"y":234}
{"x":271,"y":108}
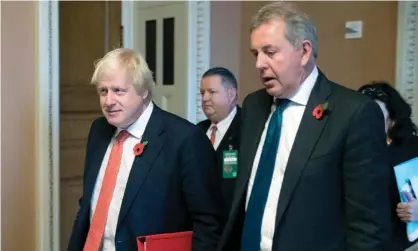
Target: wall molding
{"x":199,"y":54}
{"x":128,"y":19}
{"x":407,"y":54}
{"x":47,"y":127}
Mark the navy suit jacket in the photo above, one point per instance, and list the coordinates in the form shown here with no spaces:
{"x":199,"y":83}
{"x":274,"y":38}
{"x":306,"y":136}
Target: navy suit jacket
{"x":334,"y":194}
{"x":231,"y":138}
{"x":173,"y":186}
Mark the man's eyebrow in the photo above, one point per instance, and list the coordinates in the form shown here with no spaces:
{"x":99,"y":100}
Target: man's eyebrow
{"x":266,"y":47}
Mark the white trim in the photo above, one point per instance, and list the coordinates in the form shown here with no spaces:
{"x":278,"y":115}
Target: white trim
{"x":47,"y":127}
{"x":128,"y":24}
{"x":198,"y":47}
{"x":0,"y":133}
{"x":198,"y":54}
{"x":407,"y":54}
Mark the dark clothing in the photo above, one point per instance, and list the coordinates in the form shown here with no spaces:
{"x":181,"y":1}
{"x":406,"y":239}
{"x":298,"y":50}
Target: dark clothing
{"x":334,"y":191}
{"x":400,"y":152}
{"x":231,"y":138}
{"x":173,"y":186}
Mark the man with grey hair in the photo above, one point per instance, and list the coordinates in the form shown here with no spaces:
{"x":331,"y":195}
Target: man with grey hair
{"x":313,"y":169}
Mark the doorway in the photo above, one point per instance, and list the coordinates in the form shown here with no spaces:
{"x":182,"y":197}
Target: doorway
{"x":87,"y":30}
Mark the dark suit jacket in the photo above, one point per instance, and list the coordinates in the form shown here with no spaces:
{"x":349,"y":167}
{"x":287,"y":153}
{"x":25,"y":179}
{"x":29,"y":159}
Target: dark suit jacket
{"x":173,"y":186}
{"x":334,"y":191}
{"x":231,"y":138}
{"x":400,"y":152}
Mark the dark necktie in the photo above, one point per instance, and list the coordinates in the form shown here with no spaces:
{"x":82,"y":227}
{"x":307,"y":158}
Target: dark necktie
{"x":251,"y":236}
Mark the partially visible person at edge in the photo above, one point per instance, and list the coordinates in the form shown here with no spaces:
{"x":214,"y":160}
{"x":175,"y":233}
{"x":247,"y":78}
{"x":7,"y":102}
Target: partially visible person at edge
{"x":313,"y":169}
{"x":146,"y":171}
{"x":402,"y":140}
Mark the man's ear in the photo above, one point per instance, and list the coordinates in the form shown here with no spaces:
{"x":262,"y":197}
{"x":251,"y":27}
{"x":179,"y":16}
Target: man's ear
{"x":144,"y":94}
{"x":306,"y":52}
{"x":232,"y":93}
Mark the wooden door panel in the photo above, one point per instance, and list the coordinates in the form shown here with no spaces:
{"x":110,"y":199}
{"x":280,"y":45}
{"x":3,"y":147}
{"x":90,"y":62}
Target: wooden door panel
{"x":76,"y":125}
{"x":70,"y":193}
{"x":82,"y":39}
{"x":87,"y":31}
{"x":79,"y":98}
{"x":72,"y":158}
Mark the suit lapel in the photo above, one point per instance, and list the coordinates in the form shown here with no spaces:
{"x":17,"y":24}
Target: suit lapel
{"x":143,"y":164}
{"x":231,"y":134}
{"x":101,"y":144}
{"x":252,"y":130}
{"x":205,"y":125}
{"x":307,"y":136}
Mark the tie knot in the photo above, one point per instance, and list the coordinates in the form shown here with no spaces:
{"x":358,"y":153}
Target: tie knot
{"x":282,"y":103}
{"x":124,"y":134}
{"x":214,"y":128}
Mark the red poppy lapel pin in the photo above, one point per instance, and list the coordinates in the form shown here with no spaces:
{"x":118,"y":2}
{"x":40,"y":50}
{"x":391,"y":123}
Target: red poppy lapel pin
{"x":320,"y":110}
{"x":139,"y":148}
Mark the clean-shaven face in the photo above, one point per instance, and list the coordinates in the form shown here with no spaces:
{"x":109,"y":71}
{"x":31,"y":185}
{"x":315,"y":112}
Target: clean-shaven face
{"x":120,"y":102}
{"x":217,"y":100}
{"x":279,"y":63}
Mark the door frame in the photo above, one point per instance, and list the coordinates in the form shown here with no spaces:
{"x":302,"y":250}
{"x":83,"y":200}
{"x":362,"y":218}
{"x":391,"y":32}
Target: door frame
{"x":48,"y":110}
{"x":47,"y":127}
{"x":407,"y":66}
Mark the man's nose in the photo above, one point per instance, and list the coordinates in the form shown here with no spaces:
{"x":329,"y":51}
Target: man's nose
{"x":261,"y":62}
{"x":109,"y":99}
{"x":206,"y":96}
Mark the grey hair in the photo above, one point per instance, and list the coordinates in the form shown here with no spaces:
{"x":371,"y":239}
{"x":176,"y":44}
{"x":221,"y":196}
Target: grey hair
{"x":298,"y":25}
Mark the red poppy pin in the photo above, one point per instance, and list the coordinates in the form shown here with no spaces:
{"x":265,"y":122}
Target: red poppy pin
{"x":139,"y":148}
{"x":320,"y":110}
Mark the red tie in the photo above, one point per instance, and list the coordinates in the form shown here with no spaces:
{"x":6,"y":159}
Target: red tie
{"x":213,"y":134}
{"x":98,"y":222}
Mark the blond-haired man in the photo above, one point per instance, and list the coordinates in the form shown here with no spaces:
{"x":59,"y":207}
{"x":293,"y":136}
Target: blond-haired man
{"x":146,"y":171}
{"x":313,"y":170}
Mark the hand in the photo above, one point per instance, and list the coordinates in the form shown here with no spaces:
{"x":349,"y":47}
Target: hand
{"x":408,"y":211}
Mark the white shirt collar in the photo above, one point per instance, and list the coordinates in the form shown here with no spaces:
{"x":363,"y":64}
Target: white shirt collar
{"x":304,"y":90}
{"x":223,"y":125}
{"x":137,"y":129}
{"x":301,"y":96}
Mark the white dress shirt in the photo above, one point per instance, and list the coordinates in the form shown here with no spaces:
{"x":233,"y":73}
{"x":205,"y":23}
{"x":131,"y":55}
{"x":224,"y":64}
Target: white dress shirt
{"x":292,"y":117}
{"x":136,"y":130}
{"x":222,"y":127}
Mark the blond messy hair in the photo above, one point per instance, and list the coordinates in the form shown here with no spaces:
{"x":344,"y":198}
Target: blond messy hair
{"x":130,"y":61}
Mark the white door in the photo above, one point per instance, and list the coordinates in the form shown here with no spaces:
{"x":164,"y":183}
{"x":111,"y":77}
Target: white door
{"x":160,"y":34}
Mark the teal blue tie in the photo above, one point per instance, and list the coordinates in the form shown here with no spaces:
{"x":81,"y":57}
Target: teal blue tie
{"x":251,"y":236}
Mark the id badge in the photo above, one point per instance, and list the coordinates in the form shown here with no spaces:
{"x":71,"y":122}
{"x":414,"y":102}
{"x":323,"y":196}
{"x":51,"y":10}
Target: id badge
{"x":230,"y":164}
